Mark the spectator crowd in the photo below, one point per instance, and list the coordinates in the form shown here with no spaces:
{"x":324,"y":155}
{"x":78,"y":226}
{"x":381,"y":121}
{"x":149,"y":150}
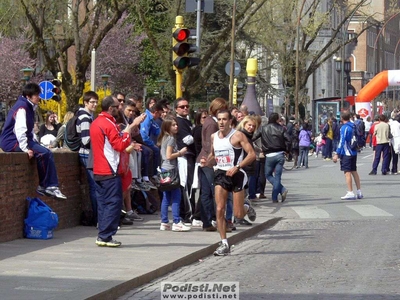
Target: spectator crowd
{"x":224,"y":157}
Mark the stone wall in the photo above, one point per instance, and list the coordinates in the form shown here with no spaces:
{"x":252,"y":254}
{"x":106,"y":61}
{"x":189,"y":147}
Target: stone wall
{"x":19,"y":180}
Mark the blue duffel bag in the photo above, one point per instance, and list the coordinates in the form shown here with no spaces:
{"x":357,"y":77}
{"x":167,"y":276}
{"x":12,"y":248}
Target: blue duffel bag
{"x":40,"y":220}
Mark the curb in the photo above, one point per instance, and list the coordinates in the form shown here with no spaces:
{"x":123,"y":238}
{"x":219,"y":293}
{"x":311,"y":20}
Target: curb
{"x":123,"y":288}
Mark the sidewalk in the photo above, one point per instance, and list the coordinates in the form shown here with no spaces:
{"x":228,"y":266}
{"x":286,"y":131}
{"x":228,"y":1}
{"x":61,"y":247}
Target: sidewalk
{"x":71,"y":266}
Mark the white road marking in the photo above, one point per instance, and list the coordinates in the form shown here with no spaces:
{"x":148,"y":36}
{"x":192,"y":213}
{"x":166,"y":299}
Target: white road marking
{"x":369,"y":211}
{"x":311,"y":212}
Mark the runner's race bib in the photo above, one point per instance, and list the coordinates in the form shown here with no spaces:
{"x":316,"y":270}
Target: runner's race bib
{"x":224,"y":159}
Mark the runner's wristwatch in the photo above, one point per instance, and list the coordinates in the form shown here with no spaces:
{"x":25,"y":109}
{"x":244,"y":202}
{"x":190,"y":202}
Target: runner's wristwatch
{"x":238,"y":166}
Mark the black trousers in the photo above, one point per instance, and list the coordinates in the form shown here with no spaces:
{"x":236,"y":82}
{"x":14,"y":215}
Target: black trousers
{"x":188,"y":200}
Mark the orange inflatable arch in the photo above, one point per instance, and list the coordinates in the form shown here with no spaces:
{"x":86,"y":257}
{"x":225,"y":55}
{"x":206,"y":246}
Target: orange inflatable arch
{"x":380,"y":82}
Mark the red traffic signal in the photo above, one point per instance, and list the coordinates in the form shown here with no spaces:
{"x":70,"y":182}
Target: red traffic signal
{"x":56,"y":90}
{"x":181,"y":49}
{"x":181,"y":34}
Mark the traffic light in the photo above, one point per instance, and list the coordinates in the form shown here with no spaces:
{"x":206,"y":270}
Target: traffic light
{"x":56,"y":90}
{"x":181,"y":48}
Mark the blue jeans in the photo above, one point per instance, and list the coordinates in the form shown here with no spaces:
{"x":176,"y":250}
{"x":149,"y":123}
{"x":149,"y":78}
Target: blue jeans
{"x":172,"y":198}
{"x":303,"y":156}
{"x":109,"y":202}
{"x":260,"y":174}
{"x":46,"y":166}
{"x":92,"y":185}
{"x":335,"y":144}
{"x":327,"y":148}
{"x":156,"y":159}
{"x":146,"y":160}
{"x":206,"y":176}
{"x":252,"y":186}
{"x":273,"y":165}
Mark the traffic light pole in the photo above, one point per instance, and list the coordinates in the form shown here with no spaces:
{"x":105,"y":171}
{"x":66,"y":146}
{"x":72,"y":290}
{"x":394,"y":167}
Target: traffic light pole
{"x":181,"y":49}
{"x":231,"y":76}
{"x":178,"y":74}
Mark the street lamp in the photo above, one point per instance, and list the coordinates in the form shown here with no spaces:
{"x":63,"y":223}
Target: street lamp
{"x":27,"y":73}
{"x":161,"y":84}
{"x":344,"y":67}
{"x":340,"y":67}
{"x":347,"y":69}
{"x":105,"y":78}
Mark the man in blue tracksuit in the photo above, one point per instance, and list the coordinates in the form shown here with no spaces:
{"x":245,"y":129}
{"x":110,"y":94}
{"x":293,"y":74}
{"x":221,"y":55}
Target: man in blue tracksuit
{"x":150,"y":129}
{"x":18,"y":136}
{"x":348,"y":158}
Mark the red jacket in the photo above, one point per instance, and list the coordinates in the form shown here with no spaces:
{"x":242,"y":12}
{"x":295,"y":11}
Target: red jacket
{"x":371,"y":131}
{"x":107,"y":143}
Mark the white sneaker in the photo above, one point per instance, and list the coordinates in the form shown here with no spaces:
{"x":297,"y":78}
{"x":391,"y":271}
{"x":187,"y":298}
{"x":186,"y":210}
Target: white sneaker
{"x":180,"y":227}
{"x":214,"y":223}
{"x":197,"y":223}
{"x":359,"y":195}
{"x":349,"y":196}
{"x":165,"y":226}
{"x":54,"y":191}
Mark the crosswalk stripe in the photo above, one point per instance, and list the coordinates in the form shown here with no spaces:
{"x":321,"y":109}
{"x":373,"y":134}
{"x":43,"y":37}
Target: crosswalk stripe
{"x":369,"y":211}
{"x":311,"y":212}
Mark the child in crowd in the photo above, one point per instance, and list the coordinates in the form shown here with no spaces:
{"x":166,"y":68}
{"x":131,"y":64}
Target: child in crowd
{"x":169,"y":161}
{"x":319,"y":142}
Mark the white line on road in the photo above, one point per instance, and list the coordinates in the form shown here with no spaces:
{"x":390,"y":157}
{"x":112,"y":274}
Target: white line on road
{"x":369,"y":211}
{"x":311,"y":212}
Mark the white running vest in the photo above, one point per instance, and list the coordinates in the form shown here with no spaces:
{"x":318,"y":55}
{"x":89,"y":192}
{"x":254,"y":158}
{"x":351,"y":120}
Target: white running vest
{"x":226,"y":155}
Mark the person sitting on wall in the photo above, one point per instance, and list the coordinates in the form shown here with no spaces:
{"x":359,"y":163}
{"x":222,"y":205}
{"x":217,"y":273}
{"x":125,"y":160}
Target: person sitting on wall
{"x":17,"y":136}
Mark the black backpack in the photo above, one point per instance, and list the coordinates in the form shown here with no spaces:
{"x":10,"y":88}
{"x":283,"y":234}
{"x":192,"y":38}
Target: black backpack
{"x":71,"y":137}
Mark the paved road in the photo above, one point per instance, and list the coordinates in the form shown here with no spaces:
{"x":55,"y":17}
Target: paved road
{"x":325,"y":248}
{"x":302,"y":261}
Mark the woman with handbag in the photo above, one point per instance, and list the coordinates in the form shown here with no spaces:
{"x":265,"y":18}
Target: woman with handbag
{"x":169,"y":175}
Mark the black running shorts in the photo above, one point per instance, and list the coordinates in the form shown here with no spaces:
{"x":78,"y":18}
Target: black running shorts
{"x":236,"y":183}
{"x":348,"y":163}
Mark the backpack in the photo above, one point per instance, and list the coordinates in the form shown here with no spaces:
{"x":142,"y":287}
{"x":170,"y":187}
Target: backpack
{"x":71,"y":137}
{"x":360,"y":133}
{"x":40,"y":220}
{"x":354,"y":142}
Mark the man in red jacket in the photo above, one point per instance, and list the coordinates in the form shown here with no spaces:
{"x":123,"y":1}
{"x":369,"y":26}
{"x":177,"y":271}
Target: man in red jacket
{"x":107,"y":143}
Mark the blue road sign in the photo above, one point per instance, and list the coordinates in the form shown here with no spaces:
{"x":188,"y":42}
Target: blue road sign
{"x":47,"y":90}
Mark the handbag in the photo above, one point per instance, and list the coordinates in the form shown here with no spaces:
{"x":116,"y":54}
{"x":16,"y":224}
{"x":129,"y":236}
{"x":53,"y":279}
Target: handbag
{"x":168,"y":180}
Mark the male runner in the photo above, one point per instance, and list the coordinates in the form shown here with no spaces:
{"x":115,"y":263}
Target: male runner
{"x":227,"y":147}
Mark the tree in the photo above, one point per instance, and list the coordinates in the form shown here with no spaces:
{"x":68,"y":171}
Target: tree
{"x":65,"y":32}
{"x":12,"y":22}
{"x":215,"y":42}
{"x":13,"y":58}
{"x":119,"y":55}
{"x":282,"y":19}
